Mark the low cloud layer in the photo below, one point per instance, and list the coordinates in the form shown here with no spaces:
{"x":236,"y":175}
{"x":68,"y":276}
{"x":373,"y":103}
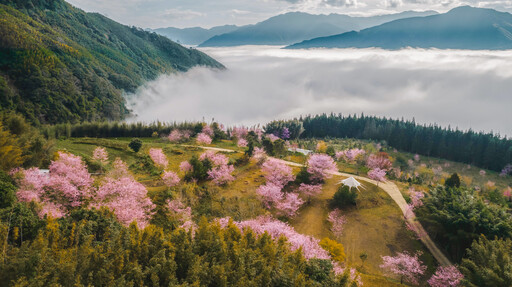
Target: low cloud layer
{"x":465,"y":89}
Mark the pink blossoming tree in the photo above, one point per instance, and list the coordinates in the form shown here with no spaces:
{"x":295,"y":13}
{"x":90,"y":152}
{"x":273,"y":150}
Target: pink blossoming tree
{"x":159,"y":158}
{"x":446,"y":277}
{"x":377,"y":174}
{"x":408,"y":267}
{"x":100,"y":155}
{"x":337,"y":221}
{"x":185,"y":166}
{"x":380,"y":161}
{"x":175,"y":136}
{"x":276,"y":172}
{"x":204,"y":139}
{"x":321,"y":166}
{"x":170,"y":178}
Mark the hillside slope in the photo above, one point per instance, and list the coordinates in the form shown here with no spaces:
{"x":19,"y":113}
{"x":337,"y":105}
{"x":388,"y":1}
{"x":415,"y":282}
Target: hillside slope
{"x":460,"y":28}
{"x":293,"y":27}
{"x":60,"y":64}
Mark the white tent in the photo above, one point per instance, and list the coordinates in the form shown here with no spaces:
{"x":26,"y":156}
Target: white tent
{"x":351,"y":182}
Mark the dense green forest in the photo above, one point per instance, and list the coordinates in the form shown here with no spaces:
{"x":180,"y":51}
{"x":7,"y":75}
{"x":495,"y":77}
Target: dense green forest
{"x":61,"y":64}
{"x":485,"y":150}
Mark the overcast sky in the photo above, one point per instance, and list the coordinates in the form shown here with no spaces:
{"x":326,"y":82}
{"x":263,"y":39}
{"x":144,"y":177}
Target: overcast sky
{"x":208,"y":13}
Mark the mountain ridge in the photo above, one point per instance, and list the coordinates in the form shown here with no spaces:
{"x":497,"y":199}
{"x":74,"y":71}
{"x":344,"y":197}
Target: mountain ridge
{"x":289,"y":28}
{"x":463,"y":27}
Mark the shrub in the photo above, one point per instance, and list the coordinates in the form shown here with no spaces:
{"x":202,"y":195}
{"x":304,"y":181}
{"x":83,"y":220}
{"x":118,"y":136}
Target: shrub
{"x":335,"y":249}
{"x":135,"y":145}
{"x":344,"y":197}
{"x":453,"y":181}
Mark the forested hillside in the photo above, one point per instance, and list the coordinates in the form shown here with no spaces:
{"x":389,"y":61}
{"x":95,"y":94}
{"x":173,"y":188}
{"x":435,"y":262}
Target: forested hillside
{"x":484,"y":150}
{"x":61,"y":64}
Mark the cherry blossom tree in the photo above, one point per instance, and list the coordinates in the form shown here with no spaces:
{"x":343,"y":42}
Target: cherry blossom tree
{"x":407,"y":266}
{"x":185,"y":166}
{"x":239,"y":132}
{"x":221,"y":174}
{"x":207,"y":130}
{"x":100,"y":155}
{"x":69,"y":180}
{"x":289,"y":204}
{"x":380,"y":161}
{"x":321,"y":166}
{"x":259,"y":154}
{"x":159,"y":158}
{"x":242,"y":143}
{"x":221,"y":171}
{"x":416,"y":198}
{"x":31,"y":185}
{"x":285,"y":133}
{"x":175,"y":136}
{"x":170,"y":178}
{"x":275,"y":228}
{"x":127,"y":198}
{"x":337,"y":221}
{"x":276,"y":172}
{"x":204,"y":139}
{"x":377,"y":174}
{"x":448,"y":276}
{"x":270,"y":194}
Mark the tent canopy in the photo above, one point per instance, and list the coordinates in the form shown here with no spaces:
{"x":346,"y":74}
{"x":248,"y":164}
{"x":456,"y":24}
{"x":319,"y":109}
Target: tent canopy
{"x":351,"y":182}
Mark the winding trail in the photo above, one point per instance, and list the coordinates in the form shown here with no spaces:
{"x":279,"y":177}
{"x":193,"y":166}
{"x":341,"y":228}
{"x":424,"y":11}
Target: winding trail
{"x":392,"y":190}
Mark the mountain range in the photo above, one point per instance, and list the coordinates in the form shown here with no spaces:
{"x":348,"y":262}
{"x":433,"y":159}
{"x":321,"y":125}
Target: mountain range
{"x":294,"y":27}
{"x":194,"y":35}
{"x":61,"y":64}
{"x":460,"y":28}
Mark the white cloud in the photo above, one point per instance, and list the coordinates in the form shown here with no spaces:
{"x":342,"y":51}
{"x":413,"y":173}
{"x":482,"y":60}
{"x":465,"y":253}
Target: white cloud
{"x":457,"y":88}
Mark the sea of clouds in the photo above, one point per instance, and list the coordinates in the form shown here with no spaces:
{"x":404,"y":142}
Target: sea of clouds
{"x":464,"y":89}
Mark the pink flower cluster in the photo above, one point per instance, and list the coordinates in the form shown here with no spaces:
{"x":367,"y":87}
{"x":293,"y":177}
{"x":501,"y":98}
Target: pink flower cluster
{"x":259,"y":154}
{"x":100,"y":155}
{"x":507,"y":192}
{"x":350,"y":155}
{"x":321,"y":166}
{"x":377,"y":174}
{"x":185,"y":166}
{"x":178,"y":135}
{"x":242,"y":143}
{"x":380,"y":161}
{"x":207,"y":130}
{"x":406,"y":266}
{"x":446,"y":277}
{"x":69,"y":185}
{"x":159,"y":158}
{"x":337,"y":221}
{"x":182,"y":213}
{"x":416,"y":198}
{"x":221,"y":172}
{"x":275,"y":228}
{"x":277,"y":175}
{"x":204,"y":139}
{"x":276,"y":172}
{"x":170,"y":178}
{"x":239,"y":132}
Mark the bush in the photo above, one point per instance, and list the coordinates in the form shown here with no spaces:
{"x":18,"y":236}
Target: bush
{"x":135,"y":145}
{"x":303,"y":176}
{"x":7,"y":191}
{"x":200,"y":169}
{"x":344,"y":197}
{"x":453,"y":181}
{"x":335,"y":249}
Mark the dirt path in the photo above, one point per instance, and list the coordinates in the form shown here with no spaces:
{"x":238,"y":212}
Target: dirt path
{"x":392,"y":190}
